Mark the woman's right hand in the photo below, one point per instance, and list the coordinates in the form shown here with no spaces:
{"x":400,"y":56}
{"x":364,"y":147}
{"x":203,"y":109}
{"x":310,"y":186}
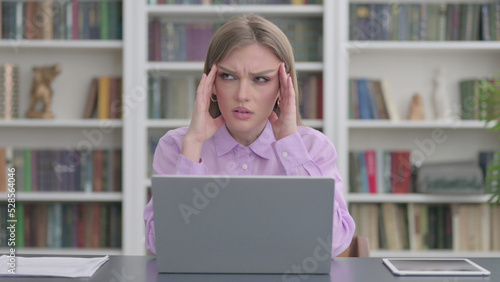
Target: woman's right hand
{"x":202,"y":126}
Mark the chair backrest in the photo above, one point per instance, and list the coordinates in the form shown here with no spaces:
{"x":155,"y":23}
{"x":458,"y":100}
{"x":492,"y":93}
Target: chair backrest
{"x":359,"y":247}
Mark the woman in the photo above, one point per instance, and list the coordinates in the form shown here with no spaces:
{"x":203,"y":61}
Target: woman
{"x":246,"y":120}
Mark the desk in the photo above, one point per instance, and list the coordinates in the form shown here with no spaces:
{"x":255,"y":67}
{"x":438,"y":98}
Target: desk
{"x":143,"y":268}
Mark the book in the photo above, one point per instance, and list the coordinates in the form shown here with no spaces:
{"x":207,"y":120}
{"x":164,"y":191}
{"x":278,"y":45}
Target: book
{"x":90,"y":104}
{"x":103,"y":97}
{"x":9,"y":91}
{"x":392,"y":230}
{"x":401,"y":172}
{"x":45,"y":10}
{"x":390,"y":103}
{"x":371,"y":170}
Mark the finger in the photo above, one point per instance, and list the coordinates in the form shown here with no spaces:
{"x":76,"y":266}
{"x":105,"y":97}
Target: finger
{"x":209,"y":82}
{"x":290,"y":91}
{"x":282,"y":75}
{"x":284,"y":84}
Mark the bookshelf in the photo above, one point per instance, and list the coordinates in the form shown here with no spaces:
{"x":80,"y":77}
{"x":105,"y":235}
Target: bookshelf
{"x":409,"y":67}
{"x":81,"y":59}
{"x":151,"y":129}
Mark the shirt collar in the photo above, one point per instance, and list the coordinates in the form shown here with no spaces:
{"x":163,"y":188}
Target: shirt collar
{"x":224,"y":142}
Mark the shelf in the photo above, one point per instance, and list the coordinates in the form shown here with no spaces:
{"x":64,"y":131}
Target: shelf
{"x":447,"y":46}
{"x":55,"y":123}
{"x":198,"y":66}
{"x":416,"y":198}
{"x":167,"y":123}
{"x":74,"y":44}
{"x":408,"y":124}
{"x":64,"y":251}
{"x":222,"y":12}
{"x":49,"y":196}
{"x":432,"y":253}
{"x":314,"y":123}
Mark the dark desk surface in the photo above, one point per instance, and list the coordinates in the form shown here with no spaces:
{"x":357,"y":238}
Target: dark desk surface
{"x":143,"y":268}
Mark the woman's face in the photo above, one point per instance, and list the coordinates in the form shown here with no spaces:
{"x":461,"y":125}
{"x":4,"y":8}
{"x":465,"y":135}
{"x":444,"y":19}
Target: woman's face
{"x":247,"y":88}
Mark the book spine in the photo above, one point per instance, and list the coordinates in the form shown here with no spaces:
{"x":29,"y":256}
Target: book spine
{"x":371,"y":171}
{"x":104,"y":20}
{"x":103,"y":97}
{"x":76,"y":20}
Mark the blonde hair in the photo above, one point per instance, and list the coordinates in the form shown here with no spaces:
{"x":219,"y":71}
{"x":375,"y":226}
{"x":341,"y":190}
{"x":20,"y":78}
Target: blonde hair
{"x":245,"y":30}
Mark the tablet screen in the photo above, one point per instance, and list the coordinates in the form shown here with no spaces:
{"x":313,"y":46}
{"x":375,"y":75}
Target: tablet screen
{"x":433,"y":266}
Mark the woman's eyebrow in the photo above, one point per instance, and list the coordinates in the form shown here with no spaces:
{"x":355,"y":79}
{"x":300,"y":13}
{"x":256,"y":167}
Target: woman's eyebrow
{"x":225,"y":69}
{"x":263,"y":72}
{"x":252,"y":73}
{"x":266,"y":71}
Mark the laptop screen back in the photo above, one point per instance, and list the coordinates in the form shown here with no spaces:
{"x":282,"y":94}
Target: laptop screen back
{"x":234,"y":224}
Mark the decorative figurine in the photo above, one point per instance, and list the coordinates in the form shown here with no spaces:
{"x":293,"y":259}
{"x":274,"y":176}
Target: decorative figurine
{"x":417,"y":108}
{"x":442,"y":110}
{"x":41,"y":91}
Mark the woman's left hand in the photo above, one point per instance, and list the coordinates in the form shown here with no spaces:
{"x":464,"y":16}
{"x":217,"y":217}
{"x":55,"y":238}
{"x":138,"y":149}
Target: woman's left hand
{"x":286,"y":123}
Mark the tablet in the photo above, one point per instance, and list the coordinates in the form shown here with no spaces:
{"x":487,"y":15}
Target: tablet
{"x":434,"y":266}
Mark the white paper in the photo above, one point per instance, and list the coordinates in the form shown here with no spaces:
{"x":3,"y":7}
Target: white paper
{"x":52,"y":266}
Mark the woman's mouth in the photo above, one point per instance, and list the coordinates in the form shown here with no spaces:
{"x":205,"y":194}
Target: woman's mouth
{"x":242,"y":113}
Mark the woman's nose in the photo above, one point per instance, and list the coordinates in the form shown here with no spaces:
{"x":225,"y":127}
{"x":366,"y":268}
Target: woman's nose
{"x":243,"y":93}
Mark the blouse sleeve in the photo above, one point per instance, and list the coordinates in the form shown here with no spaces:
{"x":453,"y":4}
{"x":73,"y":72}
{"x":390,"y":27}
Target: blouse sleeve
{"x":313,"y":155}
{"x":167,"y":161}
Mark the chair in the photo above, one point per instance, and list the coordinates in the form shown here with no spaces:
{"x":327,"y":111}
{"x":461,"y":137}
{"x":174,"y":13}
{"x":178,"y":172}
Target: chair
{"x":359,"y":247}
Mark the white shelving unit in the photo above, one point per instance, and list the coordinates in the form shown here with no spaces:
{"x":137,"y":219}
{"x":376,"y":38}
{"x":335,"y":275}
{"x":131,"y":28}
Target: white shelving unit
{"x":144,"y":127}
{"x":81,"y":60}
{"x":409,"y":67}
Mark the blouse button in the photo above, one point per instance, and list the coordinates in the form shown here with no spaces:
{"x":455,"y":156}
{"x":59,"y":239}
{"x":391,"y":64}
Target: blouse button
{"x":244,"y":166}
{"x":285,"y":154}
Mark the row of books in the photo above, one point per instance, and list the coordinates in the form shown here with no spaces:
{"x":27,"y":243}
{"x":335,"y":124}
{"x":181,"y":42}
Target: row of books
{"x":234,"y":2}
{"x":171,"y":97}
{"x":9,"y":91}
{"x":99,"y":170}
{"x":489,"y":163}
{"x":181,"y":41}
{"x":471,"y":105}
{"x":380,"y":171}
{"x":311,"y":96}
{"x":425,"y":21}
{"x":371,"y":99}
{"x":61,"y":19}
{"x":458,"y":227}
{"x":57,"y":225}
{"x":104,"y":98}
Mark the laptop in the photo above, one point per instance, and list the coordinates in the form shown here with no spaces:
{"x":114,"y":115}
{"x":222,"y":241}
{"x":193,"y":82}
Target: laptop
{"x":242,"y":224}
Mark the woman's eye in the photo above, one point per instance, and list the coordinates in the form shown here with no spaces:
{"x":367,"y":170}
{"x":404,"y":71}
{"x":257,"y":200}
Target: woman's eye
{"x":261,"y":79}
{"x":226,"y":76}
